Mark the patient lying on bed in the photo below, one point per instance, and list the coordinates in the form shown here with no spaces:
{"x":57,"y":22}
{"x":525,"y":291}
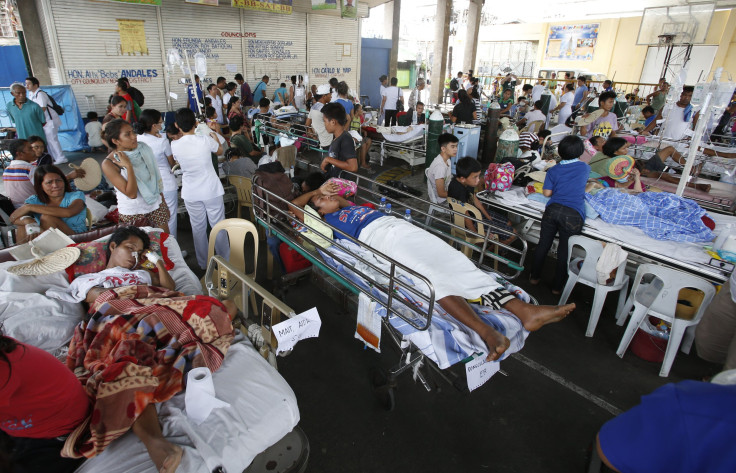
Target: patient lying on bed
{"x":137,"y":347}
{"x":454,"y":277}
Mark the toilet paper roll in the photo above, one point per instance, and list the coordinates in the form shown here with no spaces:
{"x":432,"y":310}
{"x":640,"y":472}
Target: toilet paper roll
{"x":199,"y":397}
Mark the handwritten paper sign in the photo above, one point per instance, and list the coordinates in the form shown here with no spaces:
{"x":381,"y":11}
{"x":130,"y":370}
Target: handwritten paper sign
{"x":478,"y":371}
{"x":132,"y":37}
{"x":300,"y":327}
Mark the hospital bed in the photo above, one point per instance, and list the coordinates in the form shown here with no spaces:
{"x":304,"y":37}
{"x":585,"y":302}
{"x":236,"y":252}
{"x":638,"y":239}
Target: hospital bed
{"x":263,"y":416}
{"x":688,"y":257}
{"x":389,"y":294}
{"x":408,"y":143}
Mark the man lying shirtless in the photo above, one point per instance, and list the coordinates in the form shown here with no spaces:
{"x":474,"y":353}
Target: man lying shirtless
{"x":454,"y":277}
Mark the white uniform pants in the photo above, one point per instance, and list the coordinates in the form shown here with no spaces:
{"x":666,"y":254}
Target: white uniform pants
{"x":172,"y":201}
{"x":200,"y":212}
{"x":53,"y":146}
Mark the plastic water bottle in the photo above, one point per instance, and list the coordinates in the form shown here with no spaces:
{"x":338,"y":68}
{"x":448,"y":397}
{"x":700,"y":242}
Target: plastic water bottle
{"x":388,"y":209}
{"x":382,"y":205}
{"x":291,"y":171}
{"x":407,"y":215}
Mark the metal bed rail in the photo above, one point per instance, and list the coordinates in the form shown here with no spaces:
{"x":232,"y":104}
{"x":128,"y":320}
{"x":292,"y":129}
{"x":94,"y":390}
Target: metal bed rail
{"x":510,"y":265}
{"x":269,"y":214}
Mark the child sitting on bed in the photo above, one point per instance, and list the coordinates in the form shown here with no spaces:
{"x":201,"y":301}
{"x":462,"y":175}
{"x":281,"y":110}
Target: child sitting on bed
{"x":462,"y":188}
{"x":453,"y":276}
{"x":565,"y":212}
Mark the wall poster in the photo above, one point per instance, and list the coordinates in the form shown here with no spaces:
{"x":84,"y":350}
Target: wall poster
{"x":572,"y":42}
{"x":274,"y":6}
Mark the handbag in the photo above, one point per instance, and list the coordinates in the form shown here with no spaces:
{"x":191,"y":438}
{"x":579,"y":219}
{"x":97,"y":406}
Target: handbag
{"x":399,"y":102}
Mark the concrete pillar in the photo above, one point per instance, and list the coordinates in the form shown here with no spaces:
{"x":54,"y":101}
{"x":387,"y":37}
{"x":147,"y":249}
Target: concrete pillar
{"x":393,"y":62}
{"x":34,"y":41}
{"x":441,"y":42}
{"x":388,"y":19}
{"x":475,"y":8}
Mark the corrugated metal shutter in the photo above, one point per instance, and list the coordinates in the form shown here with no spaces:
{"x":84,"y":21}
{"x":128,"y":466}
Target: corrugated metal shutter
{"x":333,"y":49}
{"x":213,"y":30}
{"x":89,"y":42}
{"x":279,"y":49}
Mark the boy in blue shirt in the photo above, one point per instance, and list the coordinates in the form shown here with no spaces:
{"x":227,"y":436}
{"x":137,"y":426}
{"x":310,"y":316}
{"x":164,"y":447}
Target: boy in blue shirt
{"x":565,"y":212}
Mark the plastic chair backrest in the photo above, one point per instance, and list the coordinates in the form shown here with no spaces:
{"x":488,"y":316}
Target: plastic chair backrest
{"x":458,"y":218}
{"x":286,"y":156}
{"x":534,"y":126}
{"x":244,"y":188}
{"x":593,"y":250}
{"x":237,"y":230}
{"x":671,"y":282}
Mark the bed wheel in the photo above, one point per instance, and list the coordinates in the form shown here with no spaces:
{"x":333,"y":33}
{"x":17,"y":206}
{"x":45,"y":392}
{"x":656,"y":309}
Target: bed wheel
{"x":383,"y":389}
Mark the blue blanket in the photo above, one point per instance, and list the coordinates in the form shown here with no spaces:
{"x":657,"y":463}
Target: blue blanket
{"x":661,"y":215}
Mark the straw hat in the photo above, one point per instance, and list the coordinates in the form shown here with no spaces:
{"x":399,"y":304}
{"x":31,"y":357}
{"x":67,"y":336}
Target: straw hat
{"x":590,"y":118}
{"x":538,"y":176}
{"x":59,"y":260}
{"x":92,"y":176}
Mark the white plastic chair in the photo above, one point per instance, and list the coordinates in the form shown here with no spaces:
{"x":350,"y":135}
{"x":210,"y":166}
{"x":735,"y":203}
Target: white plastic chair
{"x":587,"y":275}
{"x":659,"y":299}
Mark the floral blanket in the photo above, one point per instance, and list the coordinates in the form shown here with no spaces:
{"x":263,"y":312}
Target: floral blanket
{"x":136,"y":349}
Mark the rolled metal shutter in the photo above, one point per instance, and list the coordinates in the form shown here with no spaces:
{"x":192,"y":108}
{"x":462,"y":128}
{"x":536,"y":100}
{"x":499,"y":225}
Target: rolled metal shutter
{"x":333,"y":49}
{"x":89,"y":44}
{"x":278,"y":50}
{"x":213,"y":30}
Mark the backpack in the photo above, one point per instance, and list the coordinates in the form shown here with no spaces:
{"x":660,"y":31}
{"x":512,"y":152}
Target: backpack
{"x":137,"y":96}
{"x":57,"y":108}
{"x":454,"y":84}
{"x":399,"y":102}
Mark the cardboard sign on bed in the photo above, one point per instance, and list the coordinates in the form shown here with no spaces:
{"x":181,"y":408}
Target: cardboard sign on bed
{"x":93,"y":258}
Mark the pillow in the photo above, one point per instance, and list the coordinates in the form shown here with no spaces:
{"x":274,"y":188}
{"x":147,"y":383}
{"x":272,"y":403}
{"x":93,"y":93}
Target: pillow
{"x":93,"y":257}
{"x":97,"y":209}
{"x":322,"y":237}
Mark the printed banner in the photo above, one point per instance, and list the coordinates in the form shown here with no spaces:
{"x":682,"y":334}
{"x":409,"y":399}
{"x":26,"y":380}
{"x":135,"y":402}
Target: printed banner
{"x":324,"y":4}
{"x":132,"y":37}
{"x":275,"y":6}
{"x":203,"y":2}
{"x":572,"y":42}
{"x":349,"y":8}
{"x":140,"y":2}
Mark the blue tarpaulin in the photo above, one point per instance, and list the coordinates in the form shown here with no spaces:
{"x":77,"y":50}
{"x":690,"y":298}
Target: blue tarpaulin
{"x":71,"y":134}
{"x":14,"y":66}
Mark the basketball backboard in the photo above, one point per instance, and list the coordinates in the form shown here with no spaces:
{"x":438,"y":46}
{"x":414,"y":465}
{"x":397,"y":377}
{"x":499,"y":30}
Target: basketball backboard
{"x":682,"y":24}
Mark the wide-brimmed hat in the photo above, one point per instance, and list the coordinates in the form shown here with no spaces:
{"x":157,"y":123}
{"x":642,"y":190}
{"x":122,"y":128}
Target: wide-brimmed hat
{"x":54,"y":262}
{"x":590,"y":118}
{"x":620,"y":167}
{"x":92,"y":175}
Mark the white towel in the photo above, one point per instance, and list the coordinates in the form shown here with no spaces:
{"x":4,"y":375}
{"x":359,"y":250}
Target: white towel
{"x":612,"y":256}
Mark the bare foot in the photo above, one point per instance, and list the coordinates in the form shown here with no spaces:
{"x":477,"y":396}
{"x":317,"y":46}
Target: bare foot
{"x":539,"y":316}
{"x":172,"y":460}
{"x":231,"y":308}
{"x":497,"y":343}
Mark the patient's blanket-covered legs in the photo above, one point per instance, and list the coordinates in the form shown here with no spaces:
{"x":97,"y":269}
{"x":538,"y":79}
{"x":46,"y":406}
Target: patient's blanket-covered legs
{"x":449,"y":271}
{"x":135,"y":350}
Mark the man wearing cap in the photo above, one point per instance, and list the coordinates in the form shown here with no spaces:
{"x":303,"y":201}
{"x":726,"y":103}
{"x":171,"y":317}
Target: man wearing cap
{"x":315,"y":117}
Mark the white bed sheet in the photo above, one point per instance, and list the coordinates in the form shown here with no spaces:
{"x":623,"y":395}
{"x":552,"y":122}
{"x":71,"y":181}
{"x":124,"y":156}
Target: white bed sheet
{"x":263,"y":410}
{"x":403,"y":136}
{"x":50,"y":323}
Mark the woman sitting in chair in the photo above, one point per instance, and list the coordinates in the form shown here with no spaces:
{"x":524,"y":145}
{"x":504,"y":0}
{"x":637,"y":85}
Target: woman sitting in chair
{"x":55,"y":205}
{"x":454,"y":277}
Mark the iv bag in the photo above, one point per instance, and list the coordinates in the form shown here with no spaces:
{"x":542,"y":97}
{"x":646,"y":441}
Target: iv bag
{"x":200,"y":64}
{"x":173,"y":59}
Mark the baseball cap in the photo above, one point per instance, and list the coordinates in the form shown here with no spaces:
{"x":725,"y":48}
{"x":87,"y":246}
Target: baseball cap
{"x":324,"y":89}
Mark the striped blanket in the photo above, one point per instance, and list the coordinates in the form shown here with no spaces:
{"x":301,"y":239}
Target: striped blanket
{"x":136,"y":349}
